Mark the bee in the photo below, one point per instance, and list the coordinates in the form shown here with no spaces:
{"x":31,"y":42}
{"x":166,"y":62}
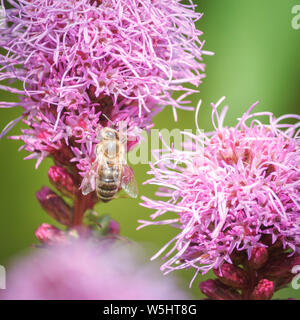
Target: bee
{"x":110,"y":172}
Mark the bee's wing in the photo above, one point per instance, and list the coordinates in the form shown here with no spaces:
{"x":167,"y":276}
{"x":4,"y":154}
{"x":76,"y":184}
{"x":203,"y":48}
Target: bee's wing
{"x":87,"y":185}
{"x":128,"y":182}
{"x":89,"y":181}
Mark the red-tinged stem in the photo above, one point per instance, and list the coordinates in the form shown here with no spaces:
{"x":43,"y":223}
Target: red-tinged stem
{"x":78,"y":209}
{"x":81,"y":204}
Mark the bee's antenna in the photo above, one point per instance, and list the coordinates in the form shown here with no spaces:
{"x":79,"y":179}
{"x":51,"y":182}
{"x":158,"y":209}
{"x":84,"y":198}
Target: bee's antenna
{"x":106,"y":117}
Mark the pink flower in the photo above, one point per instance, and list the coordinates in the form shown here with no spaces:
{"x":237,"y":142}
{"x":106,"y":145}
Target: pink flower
{"x":264,"y":290}
{"x":48,"y":234}
{"x":239,"y":192}
{"x":85,"y":271}
{"x":85,"y":65}
{"x":84,"y":61}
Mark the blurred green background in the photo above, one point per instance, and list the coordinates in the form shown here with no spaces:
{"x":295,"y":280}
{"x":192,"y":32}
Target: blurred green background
{"x":256,"y":58}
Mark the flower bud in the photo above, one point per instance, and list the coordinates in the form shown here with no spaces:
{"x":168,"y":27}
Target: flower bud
{"x":232,"y":276}
{"x":283,"y":280}
{"x":216,"y":290}
{"x":55,"y":206}
{"x":263,"y":291}
{"x":280,"y":266}
{"x":259,"y":257}
{"x":47,"y":234}
{"x":280,"y":283}
{"x":62,"y":180}
{"x":114,"y":227}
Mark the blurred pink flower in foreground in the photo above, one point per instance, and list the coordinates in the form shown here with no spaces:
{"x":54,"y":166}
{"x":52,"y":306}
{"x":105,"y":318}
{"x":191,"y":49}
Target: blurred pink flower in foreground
{"x":236,"y":194}
{"x":83,"y":271}
{"x":80,"y":60}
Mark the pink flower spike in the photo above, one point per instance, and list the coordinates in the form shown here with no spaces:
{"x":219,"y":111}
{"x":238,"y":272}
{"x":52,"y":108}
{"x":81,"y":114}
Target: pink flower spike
{"x":234,"y":193}
{"x":83,"y":64}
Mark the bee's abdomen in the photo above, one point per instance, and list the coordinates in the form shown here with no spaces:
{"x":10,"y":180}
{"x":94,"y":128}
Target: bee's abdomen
{"x":107,"y":184}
